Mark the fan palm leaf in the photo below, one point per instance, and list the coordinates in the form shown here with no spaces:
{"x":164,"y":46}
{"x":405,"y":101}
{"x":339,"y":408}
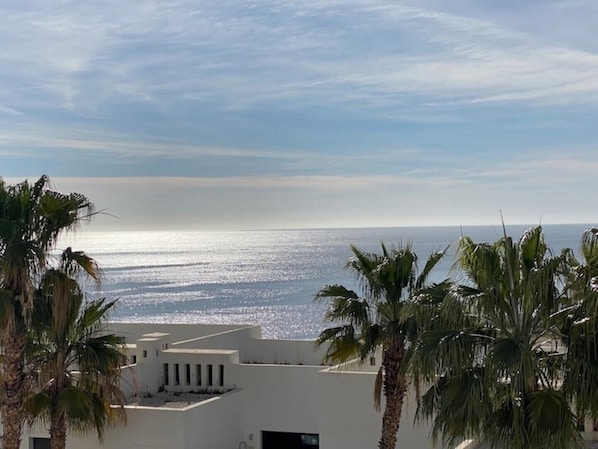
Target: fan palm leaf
{"x":77,"y":362}
{"x":32,"y":217}
{"x":375,"y":320}
{"x":494,"y":348}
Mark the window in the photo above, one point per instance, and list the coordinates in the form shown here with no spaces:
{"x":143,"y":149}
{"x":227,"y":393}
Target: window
{"x":210,"y":381}
{"x":177,"y":378}
{"x":221,"y":375}
{"x":276,"y":440}
{"x":165,"y":369}
{"x":40,"y":443}
{"x":145,"y":353}
{"x":187,"y":374}
{"x":133,"y":359}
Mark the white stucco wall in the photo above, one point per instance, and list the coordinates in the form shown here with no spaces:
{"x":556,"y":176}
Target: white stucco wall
{"x":129,"y":384}
{"x":148,"y":375}
{"x":297,"y":394}
{"x":293,"y":352}
{"x":217,"y":424}
{"x":202,"y":359}
{"x":346,"y":403}
{"x":146,"y":428}
{"x":213,"y":424}
{"x":277,"y":398}
{"x":237,"y":339}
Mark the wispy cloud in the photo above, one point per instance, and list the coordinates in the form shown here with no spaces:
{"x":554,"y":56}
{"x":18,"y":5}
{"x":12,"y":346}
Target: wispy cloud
{"x":122,"y":145}
{"x":438,"y":100}
{"x":450,"y":197}
{"x":86,"y":55}
{"x":11,"y":111}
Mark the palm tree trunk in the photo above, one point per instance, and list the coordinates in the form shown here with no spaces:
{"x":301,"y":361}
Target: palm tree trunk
{"x":394,"y":393}
{"x":58,"y":429}
{"x":11,"y":389}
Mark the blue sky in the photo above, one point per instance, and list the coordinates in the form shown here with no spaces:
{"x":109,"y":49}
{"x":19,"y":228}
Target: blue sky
{"x":319,"y":113}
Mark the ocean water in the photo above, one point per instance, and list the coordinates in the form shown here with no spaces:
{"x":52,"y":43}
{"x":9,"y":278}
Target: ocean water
{"x":259,"y":277}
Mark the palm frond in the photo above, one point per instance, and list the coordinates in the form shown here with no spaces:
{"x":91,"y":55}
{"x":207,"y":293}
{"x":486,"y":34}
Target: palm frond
{"x":431,"y":263}
{"x":550,"y":422}
{"x":532,"y":247}
{"x":75,"y":262}
{"x":335,"y":291}
{"x":342,"y":343}
{"x":376,"y":318}
{"x":77,"y":362}
{"x":589,"y":246}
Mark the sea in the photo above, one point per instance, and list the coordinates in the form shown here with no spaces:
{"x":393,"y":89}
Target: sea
{"x":267,"y":277}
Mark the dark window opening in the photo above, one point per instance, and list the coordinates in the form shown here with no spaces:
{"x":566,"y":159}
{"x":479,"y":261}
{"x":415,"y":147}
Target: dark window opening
{"x":221,"y":375}
{"x":289,"y":440}
{"x":165,"y":369}
{"x":41,"y":443}
{"x":177,"y":377}
{"x":210,"y":372}
{"x":187,"y":374}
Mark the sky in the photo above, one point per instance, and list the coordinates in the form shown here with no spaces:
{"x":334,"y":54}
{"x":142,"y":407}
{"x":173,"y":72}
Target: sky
{"x":305,"y":113}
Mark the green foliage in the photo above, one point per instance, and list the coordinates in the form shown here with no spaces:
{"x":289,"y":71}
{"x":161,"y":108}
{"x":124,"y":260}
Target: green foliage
{"x":580,"y":330}
{"x":378,"y":319}
{"x":76,"y":362}
{"x":507,"y":352}
{"x":367,"y":321}
{"x":32,"y":217}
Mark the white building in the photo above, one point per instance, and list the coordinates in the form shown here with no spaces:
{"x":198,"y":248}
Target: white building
{"x":271,"y":394}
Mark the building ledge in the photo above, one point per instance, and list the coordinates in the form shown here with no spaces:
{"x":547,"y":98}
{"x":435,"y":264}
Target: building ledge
{"x":200,"y":351}
{"x":174,"y":400}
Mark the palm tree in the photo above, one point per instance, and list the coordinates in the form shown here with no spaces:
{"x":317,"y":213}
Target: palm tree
{"x":32,"y":217}
{"x":374,"y":321}
{"x":494,"y":352}
{"x":76,"y":363}
{"x":580,"y":335}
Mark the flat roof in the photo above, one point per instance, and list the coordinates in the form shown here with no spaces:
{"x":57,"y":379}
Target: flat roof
{"x":173,"y":400}
{"x":156,"y":335}
{"x":200,"y":351}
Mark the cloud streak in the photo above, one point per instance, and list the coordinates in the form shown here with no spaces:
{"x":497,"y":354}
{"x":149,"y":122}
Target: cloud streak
{"x":317,"y":101}
{"x":453,"y":197}
{"x":84,"y":55}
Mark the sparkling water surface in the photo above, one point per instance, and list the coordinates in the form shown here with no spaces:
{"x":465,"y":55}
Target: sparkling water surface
{"x":259,"y":277}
